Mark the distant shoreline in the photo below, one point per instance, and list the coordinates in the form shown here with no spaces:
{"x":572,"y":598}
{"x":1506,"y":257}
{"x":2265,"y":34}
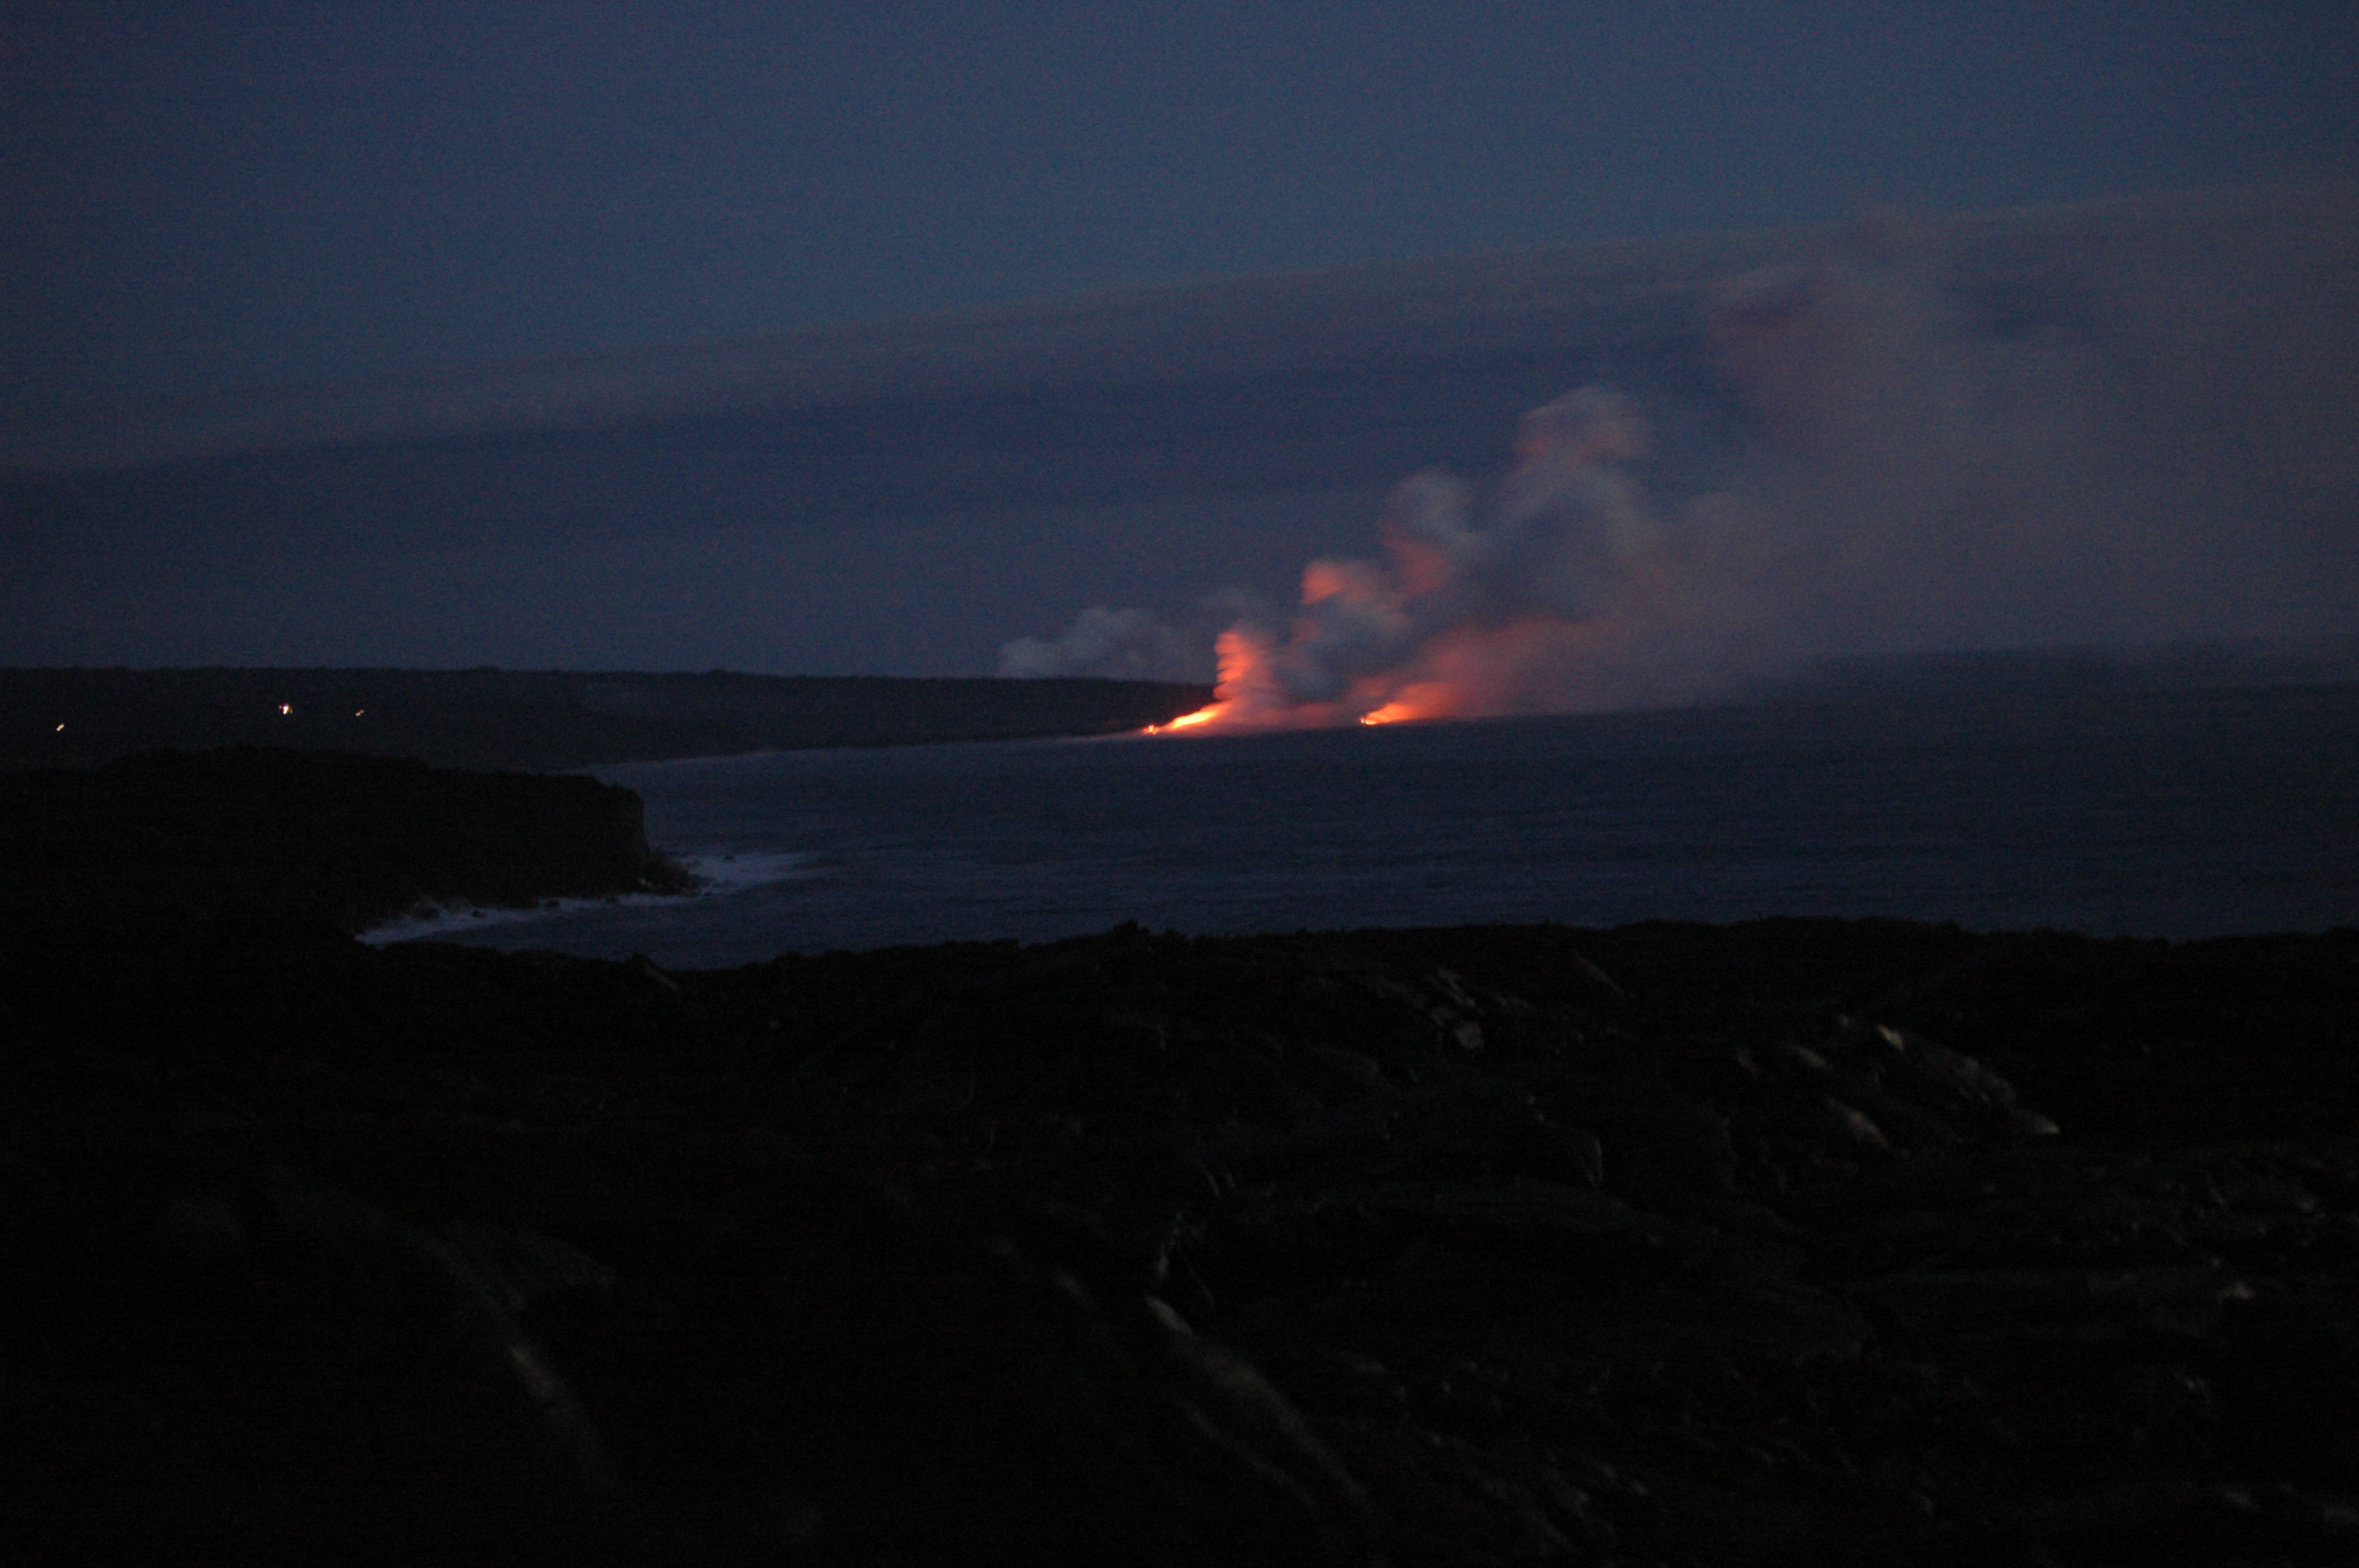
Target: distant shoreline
{"x":566,"y":721}
{"x":543,"y":720}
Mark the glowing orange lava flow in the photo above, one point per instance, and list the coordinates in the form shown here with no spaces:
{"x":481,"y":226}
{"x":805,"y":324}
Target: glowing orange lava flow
{"x":1185,"y":721}
{"x":1390,"y":713}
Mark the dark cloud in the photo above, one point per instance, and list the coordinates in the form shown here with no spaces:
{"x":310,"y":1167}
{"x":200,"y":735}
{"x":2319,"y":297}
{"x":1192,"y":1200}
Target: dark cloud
{"x":2110,"y":422}
{"x":210,"y":194}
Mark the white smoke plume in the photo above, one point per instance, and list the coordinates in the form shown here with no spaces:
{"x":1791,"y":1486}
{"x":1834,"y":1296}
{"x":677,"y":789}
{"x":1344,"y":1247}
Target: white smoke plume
{"x":1115,"y":644}
{"x":1905,"y":479}
{"x":1465,"y":617}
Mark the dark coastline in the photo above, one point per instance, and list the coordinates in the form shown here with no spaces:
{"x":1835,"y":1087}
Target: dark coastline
{"x":542,"y":719}
{"x":1849,"y":1241}
{"x":162,"y":839}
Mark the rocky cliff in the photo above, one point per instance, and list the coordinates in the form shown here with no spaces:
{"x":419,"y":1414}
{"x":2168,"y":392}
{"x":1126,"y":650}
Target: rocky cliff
{"x":250,"y":832}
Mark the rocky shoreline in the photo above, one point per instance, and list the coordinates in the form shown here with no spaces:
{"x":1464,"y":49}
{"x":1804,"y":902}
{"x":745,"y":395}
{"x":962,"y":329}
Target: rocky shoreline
{"x":165,"y":839}
{"x":1836,"y":1241}
{"x":1803,"y":1240}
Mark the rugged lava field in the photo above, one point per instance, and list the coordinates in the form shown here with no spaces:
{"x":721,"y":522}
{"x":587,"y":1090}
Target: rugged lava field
{"x":1669,"y":1244}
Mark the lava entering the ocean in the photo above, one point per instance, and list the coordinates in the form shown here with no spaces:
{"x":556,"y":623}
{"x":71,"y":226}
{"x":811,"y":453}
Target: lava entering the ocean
{"x":1186,"y":720}
{"x":1461,"y":622}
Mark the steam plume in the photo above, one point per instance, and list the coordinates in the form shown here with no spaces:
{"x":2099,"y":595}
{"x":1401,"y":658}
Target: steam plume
{"x":1461,"y":617}
{"x":1903,"y":477}
{"x":1118,"y":644}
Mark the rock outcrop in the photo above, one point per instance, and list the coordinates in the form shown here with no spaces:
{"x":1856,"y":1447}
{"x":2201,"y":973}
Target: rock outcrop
{"x":1826,"y":1241}
{"x":246,"y":833}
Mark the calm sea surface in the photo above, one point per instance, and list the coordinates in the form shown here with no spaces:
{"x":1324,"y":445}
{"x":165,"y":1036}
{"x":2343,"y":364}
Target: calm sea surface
{"x":2172,"y":814}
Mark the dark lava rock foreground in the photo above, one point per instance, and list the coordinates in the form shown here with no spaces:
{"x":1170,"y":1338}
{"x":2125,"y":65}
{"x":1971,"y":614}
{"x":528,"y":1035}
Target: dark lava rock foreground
{"x":1794,"y":1242}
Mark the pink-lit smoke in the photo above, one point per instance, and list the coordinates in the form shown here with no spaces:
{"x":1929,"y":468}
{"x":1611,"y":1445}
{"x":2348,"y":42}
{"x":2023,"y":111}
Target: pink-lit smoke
{"x":1906,"y":481}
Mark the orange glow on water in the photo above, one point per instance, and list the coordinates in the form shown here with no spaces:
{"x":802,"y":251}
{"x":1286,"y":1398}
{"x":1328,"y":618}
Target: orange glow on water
{"x":1250,"y":698}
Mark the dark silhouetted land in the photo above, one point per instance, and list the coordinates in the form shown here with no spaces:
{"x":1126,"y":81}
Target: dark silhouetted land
{"x":542,"y":719}
{"x":323,"y":836}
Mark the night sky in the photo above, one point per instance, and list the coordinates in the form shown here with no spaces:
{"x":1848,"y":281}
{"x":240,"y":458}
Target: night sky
{"x":212,"y":196}
{"x":218,"y":194}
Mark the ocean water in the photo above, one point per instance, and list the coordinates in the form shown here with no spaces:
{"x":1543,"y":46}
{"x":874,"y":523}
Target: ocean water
{"x":2181,"y":814}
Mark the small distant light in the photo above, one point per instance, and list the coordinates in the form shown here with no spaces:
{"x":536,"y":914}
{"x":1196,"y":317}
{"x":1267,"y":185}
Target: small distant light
{"x":60,"y":729}
{"x":284,"y":709}
{"x":358,"y":711}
